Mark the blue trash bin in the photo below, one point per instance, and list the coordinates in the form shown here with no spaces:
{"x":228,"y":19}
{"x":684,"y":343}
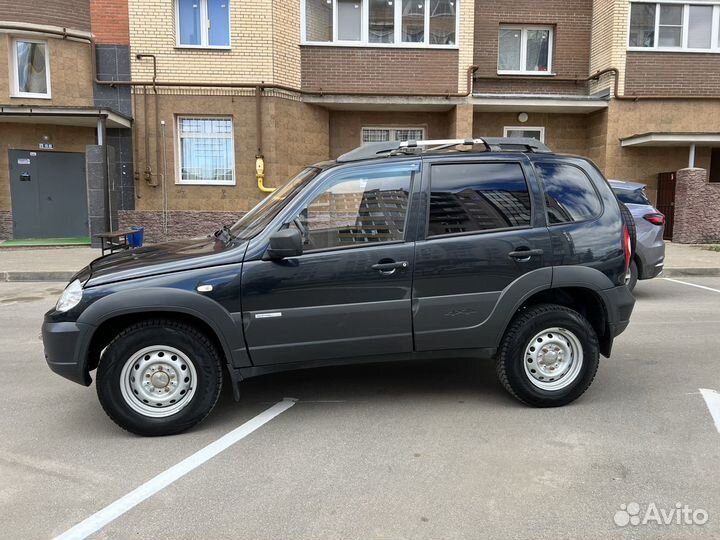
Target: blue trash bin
{"x":137,"y":238}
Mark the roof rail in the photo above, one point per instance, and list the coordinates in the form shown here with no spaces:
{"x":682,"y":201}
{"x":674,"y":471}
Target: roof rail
{"x":521,"y":144}
{"x":393,"y":148}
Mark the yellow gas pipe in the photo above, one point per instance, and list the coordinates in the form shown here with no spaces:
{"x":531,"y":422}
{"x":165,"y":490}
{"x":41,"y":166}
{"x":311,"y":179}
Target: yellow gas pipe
{"x":260,"y":173}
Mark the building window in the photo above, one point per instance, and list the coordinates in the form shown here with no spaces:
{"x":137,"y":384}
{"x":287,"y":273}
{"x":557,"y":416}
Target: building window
{"x":714,"y":175}
{"x":385,"y":134}
{"x":475,"y":197}
{"x":525,"y":49}
{"x":31,"y":69}
{"x":207,"y":154}
{"x":526,"y":132}
{"x":203,"y":23}
{"x":674,"y":26}
{"x":404,"y":23}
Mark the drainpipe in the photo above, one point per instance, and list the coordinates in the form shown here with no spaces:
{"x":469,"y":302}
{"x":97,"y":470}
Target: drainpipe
{"x":148,"y":167}
{"x":259,"y":158}
{"x":691,"y":158}
{"x":102,"y":141}
{"x":163,"y":177}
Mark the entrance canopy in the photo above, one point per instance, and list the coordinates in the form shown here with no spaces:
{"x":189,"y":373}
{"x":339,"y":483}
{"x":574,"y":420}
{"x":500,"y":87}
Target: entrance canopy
{"x":692,"y":140}
{"x":63,"y":116}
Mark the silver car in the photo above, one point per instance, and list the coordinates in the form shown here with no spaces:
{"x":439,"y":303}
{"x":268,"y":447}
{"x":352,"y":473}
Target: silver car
{"x":650,"y":224}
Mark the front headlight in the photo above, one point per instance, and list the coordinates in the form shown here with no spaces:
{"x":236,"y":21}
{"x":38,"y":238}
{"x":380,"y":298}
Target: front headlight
{"x":71,"y":297}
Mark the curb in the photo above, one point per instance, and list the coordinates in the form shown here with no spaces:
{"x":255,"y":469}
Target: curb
{"x":11,"y":277}
{"x":690,"y":272}
{"x":19,"y":277}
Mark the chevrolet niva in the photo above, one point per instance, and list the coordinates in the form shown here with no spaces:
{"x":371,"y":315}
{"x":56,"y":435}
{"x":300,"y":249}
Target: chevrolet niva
{"x":482,"y":248}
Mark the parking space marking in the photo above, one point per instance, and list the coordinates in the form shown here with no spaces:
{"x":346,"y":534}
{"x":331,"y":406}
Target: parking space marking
{"x":114,"y":510}
{"x":712,"y":400}
{"x":692,"y":284}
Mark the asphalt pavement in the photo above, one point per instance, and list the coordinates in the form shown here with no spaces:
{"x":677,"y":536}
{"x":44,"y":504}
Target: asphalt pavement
{"x":405,"y":450}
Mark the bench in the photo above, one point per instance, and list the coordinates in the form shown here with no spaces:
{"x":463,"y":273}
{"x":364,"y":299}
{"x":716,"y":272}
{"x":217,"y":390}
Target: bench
{"x":114,"y":241}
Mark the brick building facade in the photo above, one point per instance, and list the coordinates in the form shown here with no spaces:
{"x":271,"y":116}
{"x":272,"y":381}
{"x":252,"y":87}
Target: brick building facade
{"x":214,"y":88}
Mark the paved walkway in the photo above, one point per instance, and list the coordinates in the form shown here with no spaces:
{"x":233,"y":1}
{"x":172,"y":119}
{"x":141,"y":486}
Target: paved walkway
{"x":59,"y":264}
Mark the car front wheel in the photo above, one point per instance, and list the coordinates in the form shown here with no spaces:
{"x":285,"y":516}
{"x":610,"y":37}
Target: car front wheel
{"x":159,"y":378}
{"x":549,"y":356}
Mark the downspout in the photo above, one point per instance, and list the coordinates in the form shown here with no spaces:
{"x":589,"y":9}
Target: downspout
{"x":259,"y":157}
{"x":103,"y":141}
{"x":163,"y":177}
{"x":148,"y":168}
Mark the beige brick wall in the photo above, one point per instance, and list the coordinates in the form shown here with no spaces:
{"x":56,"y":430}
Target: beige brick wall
{"x":466,"y":42}
{"x":286,"y":42}
{"x":70,"y":74}
{"x":250,"y":58}
{"x":609,"y":41}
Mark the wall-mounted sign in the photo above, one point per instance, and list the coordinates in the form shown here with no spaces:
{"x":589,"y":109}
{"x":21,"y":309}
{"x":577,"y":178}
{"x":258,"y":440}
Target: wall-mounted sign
{"x":46,"y":146}
{"x":33,"y":154}
{"x":23,"y":161}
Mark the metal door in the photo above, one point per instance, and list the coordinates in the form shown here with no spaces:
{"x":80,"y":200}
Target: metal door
{"x":666,"y":201}
{"x":49,"y":194}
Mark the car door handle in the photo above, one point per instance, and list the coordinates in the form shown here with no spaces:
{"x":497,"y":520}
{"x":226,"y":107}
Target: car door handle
{"x":388,"y":268}
{"x":523,"y":255}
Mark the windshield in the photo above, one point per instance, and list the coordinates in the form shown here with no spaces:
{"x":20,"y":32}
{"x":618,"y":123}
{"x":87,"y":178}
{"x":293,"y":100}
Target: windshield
{"x":263,"y":213}
{"x":636,"y":196}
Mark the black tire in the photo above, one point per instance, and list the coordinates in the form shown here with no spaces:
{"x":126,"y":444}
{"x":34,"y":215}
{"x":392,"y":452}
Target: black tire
{"x":629,"y":221}
{"x":510,"y":364}
{"x":184,"y":338}
{"x":633,"y":276}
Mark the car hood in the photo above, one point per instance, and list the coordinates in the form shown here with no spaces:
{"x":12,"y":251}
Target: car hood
{"x":163,"y":258}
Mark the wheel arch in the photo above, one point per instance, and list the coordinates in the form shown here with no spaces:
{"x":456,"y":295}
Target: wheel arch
{"x":110,"y":314}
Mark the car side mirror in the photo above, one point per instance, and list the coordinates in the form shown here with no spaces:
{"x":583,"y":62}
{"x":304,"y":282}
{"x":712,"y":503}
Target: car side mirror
{"x":285,"y":243}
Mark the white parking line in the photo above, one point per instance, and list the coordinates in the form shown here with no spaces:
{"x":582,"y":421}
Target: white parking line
{"x":692,"y":284}
{"x":114,"y":510}
{"x":712,"y":400}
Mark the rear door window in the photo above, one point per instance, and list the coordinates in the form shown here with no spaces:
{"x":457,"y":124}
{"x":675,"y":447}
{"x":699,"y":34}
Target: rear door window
{"x":569,"y":193}
{"x":474,"y":197}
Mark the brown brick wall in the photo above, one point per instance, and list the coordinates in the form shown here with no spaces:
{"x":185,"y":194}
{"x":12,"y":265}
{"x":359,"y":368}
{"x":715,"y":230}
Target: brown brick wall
{"x":180,"y":224}
{"x":572,"y":21}
{"x":5,"y":224}
{"x":374,"y":69}
{"x":697,"y":220}
{"x":74,"y":14}
{"x":673,"y":74}
{"x":70,"y":74}
{"x":110,"y":22}
{"x":294,"y":135}
{"x":346,"y":126}
{"x":564,"y":133}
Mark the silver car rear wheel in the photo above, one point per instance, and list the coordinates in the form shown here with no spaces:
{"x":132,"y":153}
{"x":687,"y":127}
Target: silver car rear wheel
{"x":553,"y":359}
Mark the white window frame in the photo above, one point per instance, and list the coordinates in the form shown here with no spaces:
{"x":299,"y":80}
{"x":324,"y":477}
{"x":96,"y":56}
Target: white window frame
{"x":714,"y":36}
{"x":392,"y":130}
{"x":365,"y":39}
{"x":178,"y":145}
{"x":14,"y":77}
{"x":507,"y":129}
{"x":204,"y":30}
{"x":523,"y":50}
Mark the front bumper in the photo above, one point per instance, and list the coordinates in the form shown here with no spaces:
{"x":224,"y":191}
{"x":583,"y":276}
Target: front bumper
{"x":65,"y":348}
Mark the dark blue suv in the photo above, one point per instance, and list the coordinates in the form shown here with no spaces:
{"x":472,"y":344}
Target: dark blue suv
{"x":485,"y":248}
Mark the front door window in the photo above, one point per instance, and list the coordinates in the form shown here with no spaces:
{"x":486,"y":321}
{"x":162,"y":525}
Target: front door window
{"x":359,"y":207}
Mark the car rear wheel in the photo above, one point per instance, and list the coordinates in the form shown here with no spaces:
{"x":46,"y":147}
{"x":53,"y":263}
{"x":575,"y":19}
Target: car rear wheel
{"x":549,"y":356}
{"x":159,"y":378}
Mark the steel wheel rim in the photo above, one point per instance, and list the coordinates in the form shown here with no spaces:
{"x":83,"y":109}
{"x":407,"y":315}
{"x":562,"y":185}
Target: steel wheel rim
{"x":553,"y":359}
{"x":158,"y":381}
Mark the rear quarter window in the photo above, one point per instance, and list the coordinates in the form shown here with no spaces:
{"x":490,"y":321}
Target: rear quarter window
{"x":569,"y":193}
